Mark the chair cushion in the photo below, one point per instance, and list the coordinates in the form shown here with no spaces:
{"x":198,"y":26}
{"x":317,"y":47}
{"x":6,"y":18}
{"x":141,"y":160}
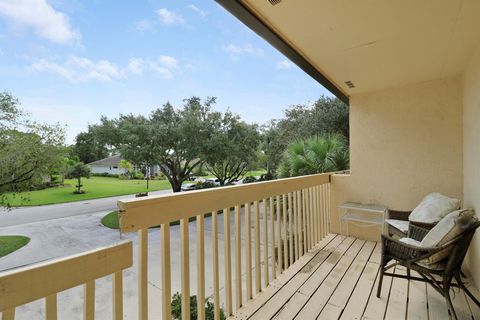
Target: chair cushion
{"x":447,"y":229}
{"x":410,"y":241}
{"x":433,"y":208}
{"x":401,"y":225}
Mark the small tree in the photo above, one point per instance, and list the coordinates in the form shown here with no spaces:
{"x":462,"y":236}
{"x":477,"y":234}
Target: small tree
{"x":77,"y":171}
{"x":127,"y":166}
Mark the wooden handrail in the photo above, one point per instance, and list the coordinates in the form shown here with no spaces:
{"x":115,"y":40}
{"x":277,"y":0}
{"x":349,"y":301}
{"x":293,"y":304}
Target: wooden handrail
{"x":141,"y":213}
{"x":46,"y":279}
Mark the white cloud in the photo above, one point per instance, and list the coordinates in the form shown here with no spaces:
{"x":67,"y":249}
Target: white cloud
{"x":41,"y":17}
{"x":284,"y":64}
{"x":168,"y":61}
{"x":168,"y":17}
{"x":202,"y":13}
{"x":78,"y":69}
{"x":236,"y":51}
{"x":144,"y":25}
{"x":136,"y":66}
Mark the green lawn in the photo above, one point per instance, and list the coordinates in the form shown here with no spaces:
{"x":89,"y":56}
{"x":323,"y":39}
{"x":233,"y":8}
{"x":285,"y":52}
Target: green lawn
{"x":9,"y":244}
{"x":95,"y":187}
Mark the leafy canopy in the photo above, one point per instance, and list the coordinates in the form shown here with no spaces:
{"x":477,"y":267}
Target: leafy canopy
{"x":326,"y":116}
{"x":315,"y":155}
{"x":231,"y":147}
{"x":29,"y":151}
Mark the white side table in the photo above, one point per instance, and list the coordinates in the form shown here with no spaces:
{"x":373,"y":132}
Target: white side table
{"x":367,"y":214}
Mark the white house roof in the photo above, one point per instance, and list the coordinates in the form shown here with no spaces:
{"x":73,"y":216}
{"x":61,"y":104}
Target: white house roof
{"x":107,"y":162}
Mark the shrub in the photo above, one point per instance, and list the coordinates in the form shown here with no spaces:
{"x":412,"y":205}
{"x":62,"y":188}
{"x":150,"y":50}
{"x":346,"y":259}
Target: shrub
{"x":137,"y":175}
{"x":249,"y":179}
{"x":315,"y":155}
{"x":209,"y":308}
{"x":105,"y":174}
{"x":267,"y":176}
{"x":204,"y":185}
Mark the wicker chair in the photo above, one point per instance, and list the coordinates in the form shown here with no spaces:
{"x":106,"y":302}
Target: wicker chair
{"x":411,"y":256}
{"x":403,"y":216}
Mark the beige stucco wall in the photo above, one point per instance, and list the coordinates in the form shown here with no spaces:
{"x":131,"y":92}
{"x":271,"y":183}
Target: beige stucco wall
{"x":471,"y":146}
{"x":405,"y":143}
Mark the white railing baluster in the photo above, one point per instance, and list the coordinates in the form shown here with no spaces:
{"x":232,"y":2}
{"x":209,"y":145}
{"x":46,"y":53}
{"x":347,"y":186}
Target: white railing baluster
{"x":238,"y":257}
{"x":8,"y":314}
{"x":272,"y":238}
{"x":185,"y":268}
{"x":201,"y":267}
{"x":166,"y":273}
{"x":143,"y":274}
{"x":290,"y":227}
{"x":248,"y":251}
{"x":51,"y":307}
{"x":285,"y":232}
{"x":216,"y":276}
{"x":258,"y":271}
{"x":265,"y":244}
{"x":89,"y":300}
{"x":279,"y":237}
{"x":228,"y":261}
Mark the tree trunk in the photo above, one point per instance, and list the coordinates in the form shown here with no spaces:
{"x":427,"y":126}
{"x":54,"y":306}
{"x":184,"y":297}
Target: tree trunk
{"x":79,"y":186}
{"x":176,"y":187}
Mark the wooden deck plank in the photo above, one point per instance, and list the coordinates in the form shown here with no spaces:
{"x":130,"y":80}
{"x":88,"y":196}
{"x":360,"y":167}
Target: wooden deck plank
{"x":417,"y":299}
{"x":361,"y":293}
{"x":319,"y":299}
{"x":300,"y":297}
{"x":473,"y":307}
{"x":397,"y":303}
{"x":283,"y":279}
{"x":460,"y":304}
{"x":337,"y":246}
{"x":376,"y":307}
{"x":330,"y":312}
{"x":437,"y":308}
{"x":344,"y":290}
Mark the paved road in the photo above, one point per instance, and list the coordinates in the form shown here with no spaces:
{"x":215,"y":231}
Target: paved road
{"x":23,"y":215}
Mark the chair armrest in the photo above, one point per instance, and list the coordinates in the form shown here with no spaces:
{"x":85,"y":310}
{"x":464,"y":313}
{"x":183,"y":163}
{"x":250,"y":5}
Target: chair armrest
{"x":398,"y":215}
{"x":416,"y":232}
{"x":399,"y":250}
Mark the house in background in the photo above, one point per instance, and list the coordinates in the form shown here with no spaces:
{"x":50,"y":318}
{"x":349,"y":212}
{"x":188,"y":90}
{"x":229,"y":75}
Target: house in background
{"x":111,"y":164}
{"x":108,"y":165}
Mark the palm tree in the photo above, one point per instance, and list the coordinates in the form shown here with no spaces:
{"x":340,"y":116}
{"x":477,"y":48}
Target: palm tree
{"x":315,"y":155}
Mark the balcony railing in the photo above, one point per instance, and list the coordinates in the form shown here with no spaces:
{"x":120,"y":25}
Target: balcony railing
{"x":288,"y":217}
{"x":45,"y":280}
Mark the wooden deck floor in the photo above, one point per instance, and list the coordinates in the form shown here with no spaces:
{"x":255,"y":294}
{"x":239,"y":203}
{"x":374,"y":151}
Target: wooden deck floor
{"x":338,"y":280}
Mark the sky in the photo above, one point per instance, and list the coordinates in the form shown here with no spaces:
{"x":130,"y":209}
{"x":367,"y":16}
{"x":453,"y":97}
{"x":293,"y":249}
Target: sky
{"x":71,"y":61}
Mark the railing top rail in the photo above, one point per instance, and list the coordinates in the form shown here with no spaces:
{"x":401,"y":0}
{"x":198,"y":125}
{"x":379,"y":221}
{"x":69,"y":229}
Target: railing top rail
{"x":36,"y":281}
{"x":143,"y":213}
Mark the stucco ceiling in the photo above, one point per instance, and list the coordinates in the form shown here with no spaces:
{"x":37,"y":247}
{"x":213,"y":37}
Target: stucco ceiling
{"x":377,"y":44}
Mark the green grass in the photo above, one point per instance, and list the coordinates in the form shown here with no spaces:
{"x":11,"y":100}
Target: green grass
{"x":111,"y":220}
{"x":95,"y":187}
{"x":9,"y":244}
{"x":255,"y":173}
